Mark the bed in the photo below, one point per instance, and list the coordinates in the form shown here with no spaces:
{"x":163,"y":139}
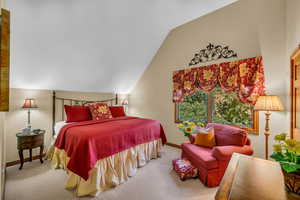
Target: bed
{"x":101,"y":154}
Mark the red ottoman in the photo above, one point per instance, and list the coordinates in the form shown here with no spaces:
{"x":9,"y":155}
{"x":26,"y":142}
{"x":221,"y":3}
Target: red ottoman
{"x":184,"y":169}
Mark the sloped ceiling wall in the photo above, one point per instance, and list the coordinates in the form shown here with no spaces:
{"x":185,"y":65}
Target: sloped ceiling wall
{"x":251,"y":28}
{"x":101,"y":46}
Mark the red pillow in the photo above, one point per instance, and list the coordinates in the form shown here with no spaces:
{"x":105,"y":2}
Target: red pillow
{"x":100,"y":111}
{"x":228,"y":135}
{"x":117,"y":111}
{"x":77,"y":113}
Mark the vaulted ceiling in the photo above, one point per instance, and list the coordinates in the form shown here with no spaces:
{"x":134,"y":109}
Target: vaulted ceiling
{"x":92,"y":45}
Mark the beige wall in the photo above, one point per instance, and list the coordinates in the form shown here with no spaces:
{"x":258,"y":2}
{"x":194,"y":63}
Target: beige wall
{"x":251,"y":28}
{"x":16,"y":118}
{"x":292,"y":31}
{"x":292,"y":25}
{"x":2,"y":153}
{"x":2,"y":142}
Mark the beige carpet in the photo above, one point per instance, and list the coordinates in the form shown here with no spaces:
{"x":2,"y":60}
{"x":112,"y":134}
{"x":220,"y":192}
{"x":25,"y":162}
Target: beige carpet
{"x":154,"y":181}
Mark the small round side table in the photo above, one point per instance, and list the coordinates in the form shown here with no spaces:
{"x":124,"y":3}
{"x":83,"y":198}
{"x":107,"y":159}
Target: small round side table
{"x":30,"y":141}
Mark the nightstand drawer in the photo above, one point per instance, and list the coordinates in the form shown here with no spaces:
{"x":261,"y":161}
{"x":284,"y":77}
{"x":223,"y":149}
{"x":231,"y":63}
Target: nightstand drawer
{"x":30,"y":145}
{"x":30,"y":142}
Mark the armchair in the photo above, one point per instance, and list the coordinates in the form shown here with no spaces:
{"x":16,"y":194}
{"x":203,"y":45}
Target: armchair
{"x":212,"y":162}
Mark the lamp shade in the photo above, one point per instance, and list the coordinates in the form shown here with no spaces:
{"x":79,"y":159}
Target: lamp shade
{"x":29,"y":103}
{"x":125,"y":102}
{"x":268,"y":103}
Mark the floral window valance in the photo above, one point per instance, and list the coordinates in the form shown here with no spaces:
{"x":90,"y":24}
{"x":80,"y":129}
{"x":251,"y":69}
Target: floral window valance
{"x":246,"y":77}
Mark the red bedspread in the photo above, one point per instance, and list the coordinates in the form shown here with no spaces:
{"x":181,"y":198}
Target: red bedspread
{"x":89,"y":141}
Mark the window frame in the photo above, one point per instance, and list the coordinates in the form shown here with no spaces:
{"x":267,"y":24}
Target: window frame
{"x":255,"y":116}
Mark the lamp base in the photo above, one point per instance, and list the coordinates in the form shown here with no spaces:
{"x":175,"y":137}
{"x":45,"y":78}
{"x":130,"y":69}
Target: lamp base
{"x":26,"y":131}
{"x":267,"y":134}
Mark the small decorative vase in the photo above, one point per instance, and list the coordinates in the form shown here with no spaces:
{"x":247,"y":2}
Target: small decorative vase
{"x":292,"y":184}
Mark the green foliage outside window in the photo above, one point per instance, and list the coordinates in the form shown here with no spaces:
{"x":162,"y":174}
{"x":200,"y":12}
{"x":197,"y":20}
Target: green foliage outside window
{"x":194,"y":108}
{"x":226,"y":108}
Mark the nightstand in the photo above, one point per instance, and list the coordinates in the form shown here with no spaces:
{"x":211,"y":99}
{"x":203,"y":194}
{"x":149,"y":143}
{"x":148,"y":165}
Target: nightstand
{"x":30,"y":141}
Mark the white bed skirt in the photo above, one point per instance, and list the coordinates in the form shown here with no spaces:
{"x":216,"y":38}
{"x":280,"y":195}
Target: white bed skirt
{"x":108,"y":172}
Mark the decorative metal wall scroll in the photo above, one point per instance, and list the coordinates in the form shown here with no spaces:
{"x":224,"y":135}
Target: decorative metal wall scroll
{"x":212,"y":52}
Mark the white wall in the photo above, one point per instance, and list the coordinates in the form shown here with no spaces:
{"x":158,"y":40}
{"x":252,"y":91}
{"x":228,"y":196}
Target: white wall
{"x":251,"y":28}
{"x":104,"y":44}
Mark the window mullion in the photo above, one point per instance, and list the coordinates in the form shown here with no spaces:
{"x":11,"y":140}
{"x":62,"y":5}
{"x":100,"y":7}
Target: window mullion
{"x":209,"y":107}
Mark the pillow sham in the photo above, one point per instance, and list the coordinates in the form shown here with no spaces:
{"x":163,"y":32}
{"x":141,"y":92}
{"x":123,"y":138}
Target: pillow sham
{"x":205,"y":137}
{"x":100,"y":111}
{"x":117,"y":111}
{"x":77,"y":113}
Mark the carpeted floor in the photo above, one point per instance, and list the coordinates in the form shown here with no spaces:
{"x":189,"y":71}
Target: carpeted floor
{"x":154,"y":181}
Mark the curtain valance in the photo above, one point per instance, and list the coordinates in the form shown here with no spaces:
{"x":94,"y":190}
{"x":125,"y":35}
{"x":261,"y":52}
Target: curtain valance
{"x":246,"y":77}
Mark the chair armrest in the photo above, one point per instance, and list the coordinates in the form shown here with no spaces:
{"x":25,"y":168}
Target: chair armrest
{"x":248,"y":142}
{"x":225,"y":152}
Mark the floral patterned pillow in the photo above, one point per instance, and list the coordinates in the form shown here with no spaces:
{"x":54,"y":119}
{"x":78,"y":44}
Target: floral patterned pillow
{"x":100,"y":111}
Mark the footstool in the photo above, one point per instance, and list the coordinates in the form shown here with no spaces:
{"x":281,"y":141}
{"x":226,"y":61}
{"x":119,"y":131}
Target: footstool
{"x":184,"y":169}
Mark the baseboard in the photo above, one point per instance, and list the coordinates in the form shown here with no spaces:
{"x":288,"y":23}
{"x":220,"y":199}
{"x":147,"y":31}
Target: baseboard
{"x":16,"y":162}
{"x":173,"y":145}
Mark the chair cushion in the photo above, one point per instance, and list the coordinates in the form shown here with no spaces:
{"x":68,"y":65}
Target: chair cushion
{"x":200,"y":156}
{"x":228,"y":135}
{"x":225,"y":152}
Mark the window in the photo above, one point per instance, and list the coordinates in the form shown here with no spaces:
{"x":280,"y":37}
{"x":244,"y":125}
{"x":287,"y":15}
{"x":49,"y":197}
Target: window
{"x":217,"y":106}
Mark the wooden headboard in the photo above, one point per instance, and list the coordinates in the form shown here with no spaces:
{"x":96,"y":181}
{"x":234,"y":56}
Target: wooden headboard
{"x":74,"y":102}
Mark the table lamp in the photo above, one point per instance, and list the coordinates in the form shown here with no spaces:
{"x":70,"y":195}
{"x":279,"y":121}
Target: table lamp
{"x":268,"y":103}
{"x":125,"y":104}
{"x":29,"y":104}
